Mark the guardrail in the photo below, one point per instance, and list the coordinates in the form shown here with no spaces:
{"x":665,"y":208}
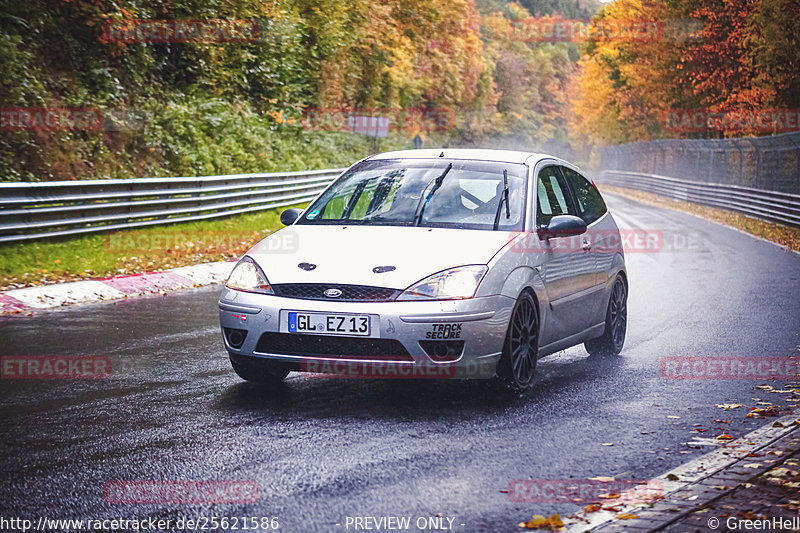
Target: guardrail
{"x":59,"y":208}
{"x":770,"y":163}
{"x":783,"y":208}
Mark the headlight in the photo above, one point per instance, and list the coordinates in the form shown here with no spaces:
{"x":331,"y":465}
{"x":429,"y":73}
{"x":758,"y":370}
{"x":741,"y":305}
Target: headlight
{"x":247,"y":276}
{"x":451,"y":284}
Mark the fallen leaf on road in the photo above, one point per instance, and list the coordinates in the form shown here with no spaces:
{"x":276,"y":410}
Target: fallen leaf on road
{"x":672,"y":416}
{"x":781,"y":472}
{"x":626,"y":516}
{"x":766,"y":411}
{"x":722,"y":421}
{"x":673,"y":477}
{"x":592,"y":508}
{"x":607,"y":444}
{"x":728,"y":406}
{"x":724,"y":437}
{"x":604,"y":479}
{"x":612,"y":496}
{"x":534,"y":523}
{"x":540,"y":522}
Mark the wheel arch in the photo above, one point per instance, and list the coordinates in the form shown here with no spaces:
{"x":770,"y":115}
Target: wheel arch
{"x":525,"y":278}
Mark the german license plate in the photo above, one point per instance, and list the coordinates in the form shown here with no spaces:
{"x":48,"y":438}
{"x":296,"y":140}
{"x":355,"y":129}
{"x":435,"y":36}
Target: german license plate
{"x":328,"y":324}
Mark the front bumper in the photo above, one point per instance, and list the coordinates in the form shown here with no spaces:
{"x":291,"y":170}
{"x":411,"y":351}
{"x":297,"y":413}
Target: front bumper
{"x":480,"y":323}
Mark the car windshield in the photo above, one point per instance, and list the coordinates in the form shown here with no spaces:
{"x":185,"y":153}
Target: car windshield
{"x":431,"y":193}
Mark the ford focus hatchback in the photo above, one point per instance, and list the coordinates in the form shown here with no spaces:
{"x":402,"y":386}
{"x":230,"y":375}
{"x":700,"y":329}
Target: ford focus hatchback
{"x":432,"y":263}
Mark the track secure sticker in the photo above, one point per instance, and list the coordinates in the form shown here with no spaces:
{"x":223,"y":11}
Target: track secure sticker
{"x":444,"y":331}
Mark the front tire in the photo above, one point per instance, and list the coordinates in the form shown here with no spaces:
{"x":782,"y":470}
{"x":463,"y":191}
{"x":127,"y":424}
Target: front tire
{"x":613,"y":337}
{"x":517,"y":366}
{"x":258,"y":371}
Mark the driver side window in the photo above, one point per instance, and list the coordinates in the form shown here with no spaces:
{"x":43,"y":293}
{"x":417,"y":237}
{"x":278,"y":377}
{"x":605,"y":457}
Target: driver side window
{"x":551,"y":196}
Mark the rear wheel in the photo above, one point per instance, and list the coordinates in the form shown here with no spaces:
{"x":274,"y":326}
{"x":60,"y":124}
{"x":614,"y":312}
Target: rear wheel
{"x":610,"y":343}
{"x":259,"y":371}
{"x":517,"y":366}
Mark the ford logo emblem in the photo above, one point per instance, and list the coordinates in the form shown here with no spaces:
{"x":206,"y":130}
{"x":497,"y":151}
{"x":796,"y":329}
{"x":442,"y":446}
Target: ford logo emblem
{"x":332,"y":293}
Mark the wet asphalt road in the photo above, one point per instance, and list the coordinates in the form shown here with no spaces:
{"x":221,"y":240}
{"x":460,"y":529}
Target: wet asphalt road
{"x":321,"y":450}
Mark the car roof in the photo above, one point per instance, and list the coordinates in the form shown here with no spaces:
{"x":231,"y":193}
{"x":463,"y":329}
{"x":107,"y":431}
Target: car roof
{"x":505,"y":156}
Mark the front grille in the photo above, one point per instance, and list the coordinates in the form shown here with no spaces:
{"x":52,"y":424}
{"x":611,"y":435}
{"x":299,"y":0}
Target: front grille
{"x":332,"y":345}
{"x":350,"y":293}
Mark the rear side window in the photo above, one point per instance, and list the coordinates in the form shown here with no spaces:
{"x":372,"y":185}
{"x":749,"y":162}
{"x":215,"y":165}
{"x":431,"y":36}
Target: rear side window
{"x":550,"y":196}
{"x":590,"y":204}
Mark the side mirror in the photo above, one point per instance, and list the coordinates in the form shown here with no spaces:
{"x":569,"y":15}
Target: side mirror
{"x":563,"y":226}
{"x":289,"y":216}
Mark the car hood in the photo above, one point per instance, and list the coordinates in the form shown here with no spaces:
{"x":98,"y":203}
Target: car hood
{"x":348,"y":254}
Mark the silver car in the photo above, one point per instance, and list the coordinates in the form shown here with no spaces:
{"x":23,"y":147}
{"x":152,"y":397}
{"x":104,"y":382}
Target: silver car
{"x":432,"y":264}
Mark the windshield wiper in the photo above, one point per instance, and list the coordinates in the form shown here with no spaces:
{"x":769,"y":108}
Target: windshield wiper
{"x":423,"y":202}
{"x":354,"y":199}
{"x":503,"y":200}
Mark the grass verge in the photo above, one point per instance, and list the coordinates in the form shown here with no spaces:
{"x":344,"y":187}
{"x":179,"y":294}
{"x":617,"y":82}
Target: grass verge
{"x":102,"y":255}
{"x":783,"y":235}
